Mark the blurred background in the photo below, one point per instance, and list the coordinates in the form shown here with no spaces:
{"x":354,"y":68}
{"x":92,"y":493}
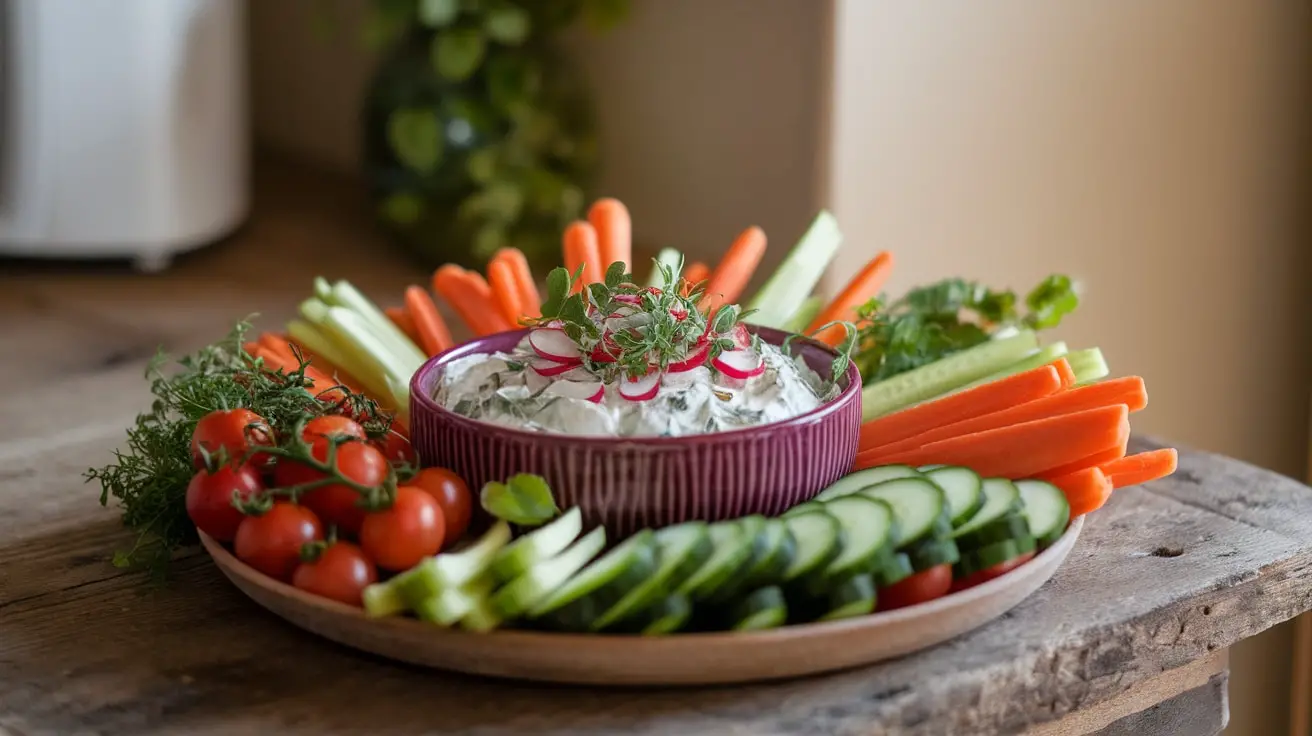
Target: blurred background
{"x":1155,"y":151}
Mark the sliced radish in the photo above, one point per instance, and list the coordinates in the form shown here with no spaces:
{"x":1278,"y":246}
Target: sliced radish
{"x":633,"y":299}
{"x":678,"y":313}
{"x":744,"y":363}
{"x":587,"y":390}
{"x":740,"y":336}
{"x":548,"y":368}
{"x":695,"y":359}
{"x":641,"y":389}
{"x":605,"y":351}
{"x":553,"y":344}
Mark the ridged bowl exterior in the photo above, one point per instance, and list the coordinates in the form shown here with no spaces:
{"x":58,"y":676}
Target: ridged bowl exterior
{"x":630,"y":484}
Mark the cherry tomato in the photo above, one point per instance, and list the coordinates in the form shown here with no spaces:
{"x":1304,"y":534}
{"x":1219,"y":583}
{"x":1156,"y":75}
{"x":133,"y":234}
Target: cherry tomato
{"x":341,"y":573}
{"x":331,"y":425}
{"x":336,"y":503}
{"x":396,"y":448}
{"x":271,"y":542}
{"x":452,"y":495}
{"x":399,"y":537}
{"x":209,"y":499}
{"x":997,"y":571}
{"x":235,"y":430}
{"x":925,"y":585}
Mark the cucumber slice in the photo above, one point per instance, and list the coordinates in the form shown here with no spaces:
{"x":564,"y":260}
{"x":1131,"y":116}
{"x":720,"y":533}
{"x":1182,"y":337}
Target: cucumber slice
{"x":942,"y":376}
{"x":448,"y":570}
{"x":994,"y":554}
{"x":1046,"y":509}
{"x":861,"y":479}
{"x":383,"y":599}
{"x":753,"y":529}
{"x":681,"y":550}
{"x":928,"y":468}
{"x":868,"y":529}
{"x":918,"y":505}
{"x":932,"y":553}
{"x":665,"y":616}
{"x":1010,"y":525}
{"x":521,"y":555}
{"x":482,"y":617}
{"x":795,"y":278}
{"x":894,"y":570}
{"x":763,"y":608}
{"x":521,"y":594}
{"x":804,"y":508}
{"x":601,"y":585}
{"x":854,"y":596}
{"x":780,"y":550}
{"x":732,"y":547}
{"x":453,"y":604}
{"x":1000,"y":498}
{"x":963,"y":489}
{"x":1042,"y":356}
{"x":1088,"y":366}
{"x":819,"y":541}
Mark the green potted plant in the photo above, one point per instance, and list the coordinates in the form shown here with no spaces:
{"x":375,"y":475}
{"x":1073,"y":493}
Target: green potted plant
{"x":477,"y":131}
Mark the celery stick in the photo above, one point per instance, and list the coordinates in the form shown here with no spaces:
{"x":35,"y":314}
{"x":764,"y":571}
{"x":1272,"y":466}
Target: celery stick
{"x":942,"y":376}
{"x":453,"y":604}
{"x":452,"y":569}
{"x":482,"y":617}
{"x":338,"y":349}
{"x":667,"y":257}
{"x":1042,"y":356}
{"x":804,"y":316}
{"x":322,"y":289}
{"x":318,"y":343}
{"x":383,"y":599}
{"x":1088,"y":366}
{"x":400,"y":392}
{"x":345,"y":295}
{"x":353,"y":333}
{"x":790,"y":285}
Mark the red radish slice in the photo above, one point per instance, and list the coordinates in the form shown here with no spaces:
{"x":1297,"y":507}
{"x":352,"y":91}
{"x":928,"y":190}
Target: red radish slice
{"x":633,"y":299}
{"x":678,"y":313}
{"x":553,"y":344}
{"x":548,"y":368}
{"x":641,"y":389}
{"x":587,"y":390}
{"x":740,"y":336}
{"x":739,"y":363}
{"x":697,"y":358}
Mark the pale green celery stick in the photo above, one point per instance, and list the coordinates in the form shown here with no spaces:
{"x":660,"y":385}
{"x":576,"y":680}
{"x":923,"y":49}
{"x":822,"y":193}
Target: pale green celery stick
{"x":322,"y":289}
{"x":942,"y":376}
{"x":400,"y":392}
{"x":453,"y":604}
{"x":345,"y":295}
{"x":353,"y":333}
{"x":318,"y":343}
{"x":668,"y":257}
{"x":383,"y":599}
{"x":790,"y":285}
{"x":1088,"y":366}
{"x":804,"y":315}
{"x":1042,"y":356}
{"x":343,"y":348}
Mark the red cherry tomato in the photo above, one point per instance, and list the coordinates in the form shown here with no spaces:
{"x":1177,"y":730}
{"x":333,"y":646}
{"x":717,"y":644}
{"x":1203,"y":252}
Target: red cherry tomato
{"x":336,"y":503}
{"x":209,"y":499}
{"x":399,"y":537}
{"x":451,"y":493}
{"x":331,"y":425}
{"x":235,"y":430}
{"x":997,"y":571}
{"x":341,"y":572}
{"x":396,"y":448}
{"x":271,"y":542}
{"x":925,"y":585}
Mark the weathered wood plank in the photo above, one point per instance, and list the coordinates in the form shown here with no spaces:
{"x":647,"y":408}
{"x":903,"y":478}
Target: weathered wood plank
{"x":1203,"y":711}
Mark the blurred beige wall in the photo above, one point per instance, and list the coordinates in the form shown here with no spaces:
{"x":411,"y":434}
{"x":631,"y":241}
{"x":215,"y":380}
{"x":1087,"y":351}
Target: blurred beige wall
{"x":1150,"y":149}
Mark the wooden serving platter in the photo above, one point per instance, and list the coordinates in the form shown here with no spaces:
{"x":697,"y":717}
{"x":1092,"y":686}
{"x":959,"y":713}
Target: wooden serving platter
{"x":675,"y":659}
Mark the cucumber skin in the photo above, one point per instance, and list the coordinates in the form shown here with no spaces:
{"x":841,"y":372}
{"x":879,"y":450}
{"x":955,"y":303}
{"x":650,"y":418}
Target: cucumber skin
{"x":771,"y":570}
{"x":994,"y":554}
{"x":897,"y":569}
{"x":823,"y":561}
{"x":694,"y":585}
{"x":932,"y":553}
{"x":653,"y":590}
{"x":1063,"y":520}
{"x":763,"y":608}
{"x":578,"y":615}
{"x":1011,"y":525}
{"x":665,"y":616}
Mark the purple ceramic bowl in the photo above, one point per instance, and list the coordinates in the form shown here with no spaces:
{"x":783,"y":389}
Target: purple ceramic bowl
{"x":633,"y":483}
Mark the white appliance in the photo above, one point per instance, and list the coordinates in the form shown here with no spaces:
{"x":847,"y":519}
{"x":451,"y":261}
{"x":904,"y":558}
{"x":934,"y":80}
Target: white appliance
{"x":123,"y":127}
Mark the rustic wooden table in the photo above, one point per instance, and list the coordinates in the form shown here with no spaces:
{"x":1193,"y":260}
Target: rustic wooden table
{"x":1129,"y":637}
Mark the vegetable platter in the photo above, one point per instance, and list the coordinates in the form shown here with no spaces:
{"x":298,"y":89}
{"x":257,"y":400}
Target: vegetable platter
{"x":950,"y":460}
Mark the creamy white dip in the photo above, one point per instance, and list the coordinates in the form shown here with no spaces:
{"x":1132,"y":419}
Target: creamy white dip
{"x":503,"y":388}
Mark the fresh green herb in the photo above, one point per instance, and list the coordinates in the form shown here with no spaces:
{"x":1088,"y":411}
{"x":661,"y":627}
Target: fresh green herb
{"x":932,"y":322}
{"x":523,"y":499}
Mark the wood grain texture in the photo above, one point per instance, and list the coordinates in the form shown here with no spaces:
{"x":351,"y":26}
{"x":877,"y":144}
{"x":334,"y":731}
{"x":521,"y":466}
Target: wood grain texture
{"x":1165,"y":574}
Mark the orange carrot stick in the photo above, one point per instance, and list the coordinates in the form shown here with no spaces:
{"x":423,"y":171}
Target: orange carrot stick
{"x":468,"y":293}
{"x":735,"y":270}
{"x":275,"y":360}
{"x":530,"y":303}
{"x":984,"y":399}
{"x":505,"y":290}
{"x":610,"y":218}
{"x":695,"y":273}
{"x":1129,"y":391}
{"x":337,"y":375}
{"x":1086,"y":490}
{"x":1095,"y":460}
{"x":403,"y":322}
{"x":581,"y":250}
{"x":430,"y":328}
{"x":859,"y":290}
{"x":1141,"y":468}
{"x":1067,"y":373}
{"x":279,"y":346}
{"x":1019,"y":450}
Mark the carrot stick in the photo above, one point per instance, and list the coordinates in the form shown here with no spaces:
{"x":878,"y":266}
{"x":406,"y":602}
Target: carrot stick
{"x":278,"y":345}
{"x":610,"y":218}
{"x":858,"y":291}
{"x":1141,"y":468}
{"x":581,"y":250}
{"x":695,"y":273}
{"x":1097,"y":459}
{"x":505,"y":290}
{"x":1019,"y":450}
{"x":978,"y":401}
{"x":403,"y":322}
{"x":530,"y":303}
{"x":275,"y":360}
{"x":1129,"y":391}
{"x":468,"y":293}
{"x":1086,"y":490}
{"x":730,"y":277}
{"x":430,"y":328}
{"x":329,"y":369}
{"x":1063,"y":366}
